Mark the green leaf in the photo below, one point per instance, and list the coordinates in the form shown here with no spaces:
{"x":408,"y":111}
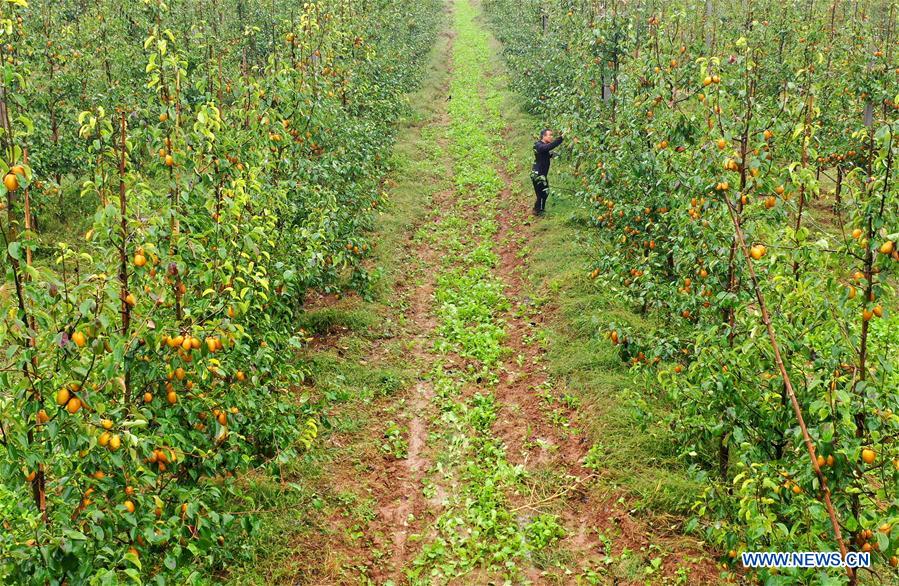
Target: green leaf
{"x":883,"y":541}
{"x":15,"y":249}
{"x":135,"y":561}
{"x":75,"y":535}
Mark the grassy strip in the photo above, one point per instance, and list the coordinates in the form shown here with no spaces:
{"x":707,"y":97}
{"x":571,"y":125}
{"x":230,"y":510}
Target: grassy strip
{"x":477,"y":529}
{"x":469,"y":301}
{"x":639,"y":460}
{"x":475,"y":175}
{"x":290,"y":508}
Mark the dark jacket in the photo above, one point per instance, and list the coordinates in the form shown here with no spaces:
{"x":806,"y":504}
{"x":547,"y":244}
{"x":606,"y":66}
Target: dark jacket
{"x":542,"y":155}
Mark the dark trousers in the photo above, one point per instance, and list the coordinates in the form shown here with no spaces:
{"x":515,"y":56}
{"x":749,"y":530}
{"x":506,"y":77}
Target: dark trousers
{"x":541,"y":190}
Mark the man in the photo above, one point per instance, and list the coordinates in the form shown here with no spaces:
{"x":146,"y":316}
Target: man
{"x":542,"y":153}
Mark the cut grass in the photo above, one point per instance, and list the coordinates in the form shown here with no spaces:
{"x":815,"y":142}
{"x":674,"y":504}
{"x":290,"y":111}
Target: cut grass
{"x":326,"y":320}
{"x":343,"y":378}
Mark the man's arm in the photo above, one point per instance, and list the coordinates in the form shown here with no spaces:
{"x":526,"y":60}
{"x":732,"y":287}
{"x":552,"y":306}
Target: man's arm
{"x":546,"y":147}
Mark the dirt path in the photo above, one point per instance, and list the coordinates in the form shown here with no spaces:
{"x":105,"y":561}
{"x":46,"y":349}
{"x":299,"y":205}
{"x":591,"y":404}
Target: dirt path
{"x":474,"y":472}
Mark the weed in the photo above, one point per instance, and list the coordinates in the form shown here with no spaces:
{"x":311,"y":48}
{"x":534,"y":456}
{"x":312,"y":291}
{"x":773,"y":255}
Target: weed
{"x":394,"y":441}
{"x":544,"y":530}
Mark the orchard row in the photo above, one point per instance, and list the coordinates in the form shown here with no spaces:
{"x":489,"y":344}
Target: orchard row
{"x":177,"y":175}
{"x":738,"y":164}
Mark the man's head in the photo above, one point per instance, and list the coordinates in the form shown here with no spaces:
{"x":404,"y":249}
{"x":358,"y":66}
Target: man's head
{"x":546,"y":135}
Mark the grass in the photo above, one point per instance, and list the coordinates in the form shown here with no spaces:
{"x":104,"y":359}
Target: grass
{"x":327,"y":320}
{"x":343,"y":378}
{"x":418,"y":174}
{"x":291,"y":504}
